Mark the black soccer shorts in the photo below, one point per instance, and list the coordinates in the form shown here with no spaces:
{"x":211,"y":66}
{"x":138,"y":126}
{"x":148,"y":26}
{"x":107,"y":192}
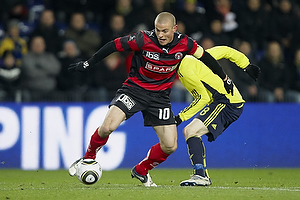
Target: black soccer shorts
{"x":155,"y":106}
{"x":218,"y":116}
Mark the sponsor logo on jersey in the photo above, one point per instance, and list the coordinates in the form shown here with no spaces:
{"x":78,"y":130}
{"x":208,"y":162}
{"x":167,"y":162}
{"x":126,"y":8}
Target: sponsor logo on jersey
{"x":214,"y":126}
{"x":178,"y":55}
{"x":131,"y":37}
{"x":127,"y":101}
{"x":149,"y":33}
{"x":165,"y":50}
{"x":159,"y":69}
{"x":151,"y":55}
{"x":85,"y":64}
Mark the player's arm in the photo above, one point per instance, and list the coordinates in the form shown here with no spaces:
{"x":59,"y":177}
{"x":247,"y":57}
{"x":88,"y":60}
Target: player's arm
{"x":126,"y":43}
{"x":236,"y":57}
{"x":211,"y":62}
{"x":103,"y":52}
{"x":191,"y":80}
{"x":200,"y":95}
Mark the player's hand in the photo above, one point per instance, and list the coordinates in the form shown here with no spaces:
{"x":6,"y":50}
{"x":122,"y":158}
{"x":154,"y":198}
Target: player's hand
{"x":253,"y":71}
{"x":81,"y":66}
{"x":177,"y":120}
{"x":228,"y":85}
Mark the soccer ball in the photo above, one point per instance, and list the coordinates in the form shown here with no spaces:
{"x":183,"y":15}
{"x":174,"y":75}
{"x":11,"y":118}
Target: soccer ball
{"x":89,"y":171}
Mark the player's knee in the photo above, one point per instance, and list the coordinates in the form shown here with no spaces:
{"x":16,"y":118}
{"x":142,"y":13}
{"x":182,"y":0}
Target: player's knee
{"x":187,"y":132}
{"x":191,"y":131}
{"x":169,"y":149}
{"x":104,"y":131}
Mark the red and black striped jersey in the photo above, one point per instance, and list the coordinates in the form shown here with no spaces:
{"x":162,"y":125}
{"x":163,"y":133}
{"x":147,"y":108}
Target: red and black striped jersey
{"x":153,"y":66}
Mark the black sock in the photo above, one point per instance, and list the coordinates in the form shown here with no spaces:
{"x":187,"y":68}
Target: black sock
{"x":197,"y":155}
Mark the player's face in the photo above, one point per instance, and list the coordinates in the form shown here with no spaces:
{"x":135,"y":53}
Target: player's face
{"x":165,"y":32}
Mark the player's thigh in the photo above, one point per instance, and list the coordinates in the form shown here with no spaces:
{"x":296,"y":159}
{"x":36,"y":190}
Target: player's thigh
{"x":167,"y":135}
{"x":112,"y":120}
{"x":195,"y":128}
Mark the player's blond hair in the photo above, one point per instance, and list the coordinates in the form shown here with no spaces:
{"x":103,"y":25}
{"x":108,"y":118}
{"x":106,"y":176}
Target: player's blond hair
{"x":165,"y":17}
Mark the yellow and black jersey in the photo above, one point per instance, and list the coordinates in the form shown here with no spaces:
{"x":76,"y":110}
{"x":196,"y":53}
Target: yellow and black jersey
{"x":204,"y":85}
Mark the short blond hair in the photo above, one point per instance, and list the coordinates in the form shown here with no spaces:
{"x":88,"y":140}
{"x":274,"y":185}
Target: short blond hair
{"x":165,"y":17}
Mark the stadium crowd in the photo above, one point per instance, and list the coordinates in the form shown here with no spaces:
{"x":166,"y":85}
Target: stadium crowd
{"x":40,"y":38}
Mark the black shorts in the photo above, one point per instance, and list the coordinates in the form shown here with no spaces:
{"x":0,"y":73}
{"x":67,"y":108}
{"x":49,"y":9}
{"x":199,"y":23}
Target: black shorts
{"x":155,"y":106}
{"x":218,"y":116}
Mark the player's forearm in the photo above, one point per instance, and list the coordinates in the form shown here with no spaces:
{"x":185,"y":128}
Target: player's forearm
{"x":195,"y":106}
{"x":104,"y":51}
{"x":209,"y":61}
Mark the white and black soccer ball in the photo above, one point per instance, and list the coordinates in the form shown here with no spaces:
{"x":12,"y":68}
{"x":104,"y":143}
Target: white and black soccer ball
{"x":89,"y":171}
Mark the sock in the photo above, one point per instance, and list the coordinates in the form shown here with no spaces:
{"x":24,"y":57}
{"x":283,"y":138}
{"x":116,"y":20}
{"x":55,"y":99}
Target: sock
{"x":197,"y":155}
{"x":95,"y":145}
{"x":154,"y":157}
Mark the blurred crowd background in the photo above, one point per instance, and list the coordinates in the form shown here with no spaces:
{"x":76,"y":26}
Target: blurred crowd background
{"x":40,"y":38}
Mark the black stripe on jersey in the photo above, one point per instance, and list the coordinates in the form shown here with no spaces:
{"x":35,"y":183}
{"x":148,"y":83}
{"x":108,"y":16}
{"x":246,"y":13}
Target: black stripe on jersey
{"x":197,"y":98}
{"x":136,"y":38}
{"x":190,"y":43}
{"x":124,"y":43}
{"x":180,"y":74}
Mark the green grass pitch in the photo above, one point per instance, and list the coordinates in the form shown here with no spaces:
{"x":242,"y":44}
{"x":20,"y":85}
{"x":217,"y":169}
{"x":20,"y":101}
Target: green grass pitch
{"x":117,"y":184}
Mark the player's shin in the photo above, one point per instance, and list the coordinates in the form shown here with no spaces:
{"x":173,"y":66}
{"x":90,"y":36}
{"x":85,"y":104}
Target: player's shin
{"x":96,"y":143}
{"x":197,"y":155}
{"x":154,"y":157}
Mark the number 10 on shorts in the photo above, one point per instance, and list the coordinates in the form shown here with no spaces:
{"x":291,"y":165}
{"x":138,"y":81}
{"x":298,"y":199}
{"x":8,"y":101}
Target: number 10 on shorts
{"x":164,"y":113}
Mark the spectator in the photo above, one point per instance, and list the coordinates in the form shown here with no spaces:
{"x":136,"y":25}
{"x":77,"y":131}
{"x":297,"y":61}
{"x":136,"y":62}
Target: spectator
{"x":229,"y":23}
{"x":49,"y":31}
{"x":19,"y":10}
{"x":115,"y":29}
{"x":40,"y":69}
{"x":246,"y":85}
{"x":87,"y":40}
{"x":129,"y":11}
{"x":283,"y":25}
{"x":253,"y":24}
{"x":151,"y":9}
{"x":13,"y":9}
{"x":65,"y":8}
{"x":195,"y":22}
{"x":274,"y":80}
{"x":108,"y":78}
{"x":295,"y":78}
{"x":217,"y":34}
{"x":207,"y":43}
{"x":71,"y":85}
{"x":13,"y":42}
{"x":9,"y":77}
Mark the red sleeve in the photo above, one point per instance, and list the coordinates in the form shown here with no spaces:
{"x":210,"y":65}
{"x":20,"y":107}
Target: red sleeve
{"x":128,"y":43}
{"x":194,"y":47}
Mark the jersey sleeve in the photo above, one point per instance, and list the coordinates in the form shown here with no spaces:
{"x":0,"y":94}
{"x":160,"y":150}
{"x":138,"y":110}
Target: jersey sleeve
{"x":192,"y":82}
{"x":231,"y":54}
{"x":131,"y":42}
{"x":199,"y":52}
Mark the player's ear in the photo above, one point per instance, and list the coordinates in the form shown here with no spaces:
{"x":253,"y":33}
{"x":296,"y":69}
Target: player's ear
{"x":175,"y":28}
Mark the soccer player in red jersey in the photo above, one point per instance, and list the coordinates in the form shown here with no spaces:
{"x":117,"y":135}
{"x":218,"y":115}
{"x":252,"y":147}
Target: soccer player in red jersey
{"x":157,"y":54}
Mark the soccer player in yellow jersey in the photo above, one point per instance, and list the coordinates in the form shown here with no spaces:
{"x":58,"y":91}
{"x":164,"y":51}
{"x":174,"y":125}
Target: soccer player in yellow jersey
{"x":218,"y":109}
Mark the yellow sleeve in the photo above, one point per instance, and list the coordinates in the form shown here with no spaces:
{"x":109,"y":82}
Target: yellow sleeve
{"x":191,"y":80}
{"x":231,"y":54}
{"x":199,"y":52}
